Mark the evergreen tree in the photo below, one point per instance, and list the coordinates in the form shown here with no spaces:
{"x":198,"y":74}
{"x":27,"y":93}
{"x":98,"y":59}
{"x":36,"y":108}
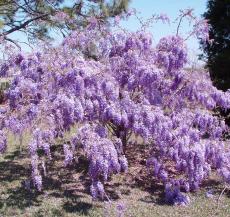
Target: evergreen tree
{"x":218,"y":52}
{"x":36,"y":18}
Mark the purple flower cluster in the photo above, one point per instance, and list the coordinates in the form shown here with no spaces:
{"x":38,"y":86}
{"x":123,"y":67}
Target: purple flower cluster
{"x":175,"y":197}
{"x":68,"y":155}
{"x":130,"y":87}
{"x":41,"y":141}
{"x":97,"y":190}
{"x":3,"y":142}
{"x":101,"y":152}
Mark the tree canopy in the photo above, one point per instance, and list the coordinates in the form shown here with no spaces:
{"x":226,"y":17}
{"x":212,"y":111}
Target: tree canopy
{"x":38,"y":18}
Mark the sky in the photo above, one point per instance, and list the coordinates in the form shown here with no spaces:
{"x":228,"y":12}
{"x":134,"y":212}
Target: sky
{"x":146,"y":8}
{"x":171,"y":8}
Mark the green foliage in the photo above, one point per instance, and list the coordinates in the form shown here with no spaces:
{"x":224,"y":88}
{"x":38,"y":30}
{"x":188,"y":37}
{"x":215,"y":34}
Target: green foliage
{"x":36,"y":18}
{"x":218,"y":52}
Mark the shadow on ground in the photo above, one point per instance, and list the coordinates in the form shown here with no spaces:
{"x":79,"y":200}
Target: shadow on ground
{"x":59,"y":183}
{"x":71,"y":184}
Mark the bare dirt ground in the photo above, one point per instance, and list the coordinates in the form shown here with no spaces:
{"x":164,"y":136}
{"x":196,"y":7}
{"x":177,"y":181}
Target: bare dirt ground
{"x":66,"y":190}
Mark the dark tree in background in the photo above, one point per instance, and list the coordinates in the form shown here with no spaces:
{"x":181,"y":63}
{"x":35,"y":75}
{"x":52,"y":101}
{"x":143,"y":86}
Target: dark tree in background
{"x":35,"y":17}
{"x":218,"y":52}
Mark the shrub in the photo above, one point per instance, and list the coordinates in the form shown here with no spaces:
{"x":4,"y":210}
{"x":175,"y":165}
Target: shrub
{"x":133,"y":87}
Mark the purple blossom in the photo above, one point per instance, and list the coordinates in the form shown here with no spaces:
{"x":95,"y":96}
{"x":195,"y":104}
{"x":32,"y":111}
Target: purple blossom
{"x":134,"y":88}
{"x":101,"y":131}
{"x":120,"y":209}
{"x":175,"y":197}
{"x":124,"y":163}
{"x":68,"y":155}
{"x":97,"y":190}
{"x":37,"y":182}
{"x":3,"y":142}
{"x":209,"y":194}
{"x":33,"y":147}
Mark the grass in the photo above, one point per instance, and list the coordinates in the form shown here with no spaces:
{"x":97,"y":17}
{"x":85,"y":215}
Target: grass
{"x":66,"y":192}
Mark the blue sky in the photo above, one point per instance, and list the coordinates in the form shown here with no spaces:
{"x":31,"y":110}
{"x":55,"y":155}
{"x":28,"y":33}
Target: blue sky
{"x":170,"y":8}
{"x":150,"y":7}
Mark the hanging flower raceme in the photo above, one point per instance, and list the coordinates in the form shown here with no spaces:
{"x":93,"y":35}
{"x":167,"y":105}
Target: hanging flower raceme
{"x":3,"y":142}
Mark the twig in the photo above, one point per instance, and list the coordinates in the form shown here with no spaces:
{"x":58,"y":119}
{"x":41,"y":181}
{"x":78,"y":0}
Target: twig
{"x":178,"y":27}
{"x":14,"y":42}
{"x":222,"y":192}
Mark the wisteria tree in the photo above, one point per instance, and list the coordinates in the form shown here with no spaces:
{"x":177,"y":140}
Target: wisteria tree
{"x":130,"y":86}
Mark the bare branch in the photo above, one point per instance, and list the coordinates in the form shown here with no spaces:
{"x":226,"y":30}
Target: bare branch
{"x":14,"y":42}
{"x":28,"y":5}
{"x":23,"y":25}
